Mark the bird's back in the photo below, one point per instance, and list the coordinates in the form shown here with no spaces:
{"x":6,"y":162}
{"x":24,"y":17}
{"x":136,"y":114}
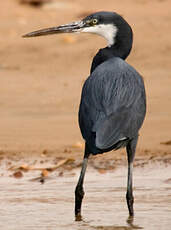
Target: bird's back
{"x":113,"y":105}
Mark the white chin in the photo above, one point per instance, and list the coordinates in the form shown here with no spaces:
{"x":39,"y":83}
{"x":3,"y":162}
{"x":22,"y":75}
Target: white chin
{"x":108,"y":31}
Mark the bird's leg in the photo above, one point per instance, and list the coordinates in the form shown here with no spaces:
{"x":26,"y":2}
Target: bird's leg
{"x":79,"y":191}
{"x":131,"y":147}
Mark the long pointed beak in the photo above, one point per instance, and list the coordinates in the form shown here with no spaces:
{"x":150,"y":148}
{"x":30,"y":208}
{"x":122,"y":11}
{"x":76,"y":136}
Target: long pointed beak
{"x":73,"y":27}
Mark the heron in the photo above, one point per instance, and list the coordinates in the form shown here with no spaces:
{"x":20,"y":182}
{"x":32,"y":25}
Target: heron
{"x":113,"y":100}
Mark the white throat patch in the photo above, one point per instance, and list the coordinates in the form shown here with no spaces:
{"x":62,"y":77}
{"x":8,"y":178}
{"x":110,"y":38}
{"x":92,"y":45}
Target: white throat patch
{"x":108,"y":31}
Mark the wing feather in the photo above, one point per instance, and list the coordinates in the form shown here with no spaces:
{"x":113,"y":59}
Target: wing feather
{"x":112,"y":104}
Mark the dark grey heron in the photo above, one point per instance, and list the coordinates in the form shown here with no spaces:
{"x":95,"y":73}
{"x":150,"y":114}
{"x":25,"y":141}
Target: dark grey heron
{"x":113,"y":101}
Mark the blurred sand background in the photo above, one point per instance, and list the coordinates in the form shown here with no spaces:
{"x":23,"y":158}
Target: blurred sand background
{"x":41,"y":78}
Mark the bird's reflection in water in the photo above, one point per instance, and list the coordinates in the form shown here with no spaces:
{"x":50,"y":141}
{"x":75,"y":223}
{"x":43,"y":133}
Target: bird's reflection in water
{"x":129,"y":221}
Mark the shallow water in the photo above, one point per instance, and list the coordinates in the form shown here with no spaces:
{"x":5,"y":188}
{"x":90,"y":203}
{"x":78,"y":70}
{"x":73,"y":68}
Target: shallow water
{"x":31,"y":205}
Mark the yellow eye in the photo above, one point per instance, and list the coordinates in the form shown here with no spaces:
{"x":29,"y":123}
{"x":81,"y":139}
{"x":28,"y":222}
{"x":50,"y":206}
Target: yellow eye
{"x":94,"y":21}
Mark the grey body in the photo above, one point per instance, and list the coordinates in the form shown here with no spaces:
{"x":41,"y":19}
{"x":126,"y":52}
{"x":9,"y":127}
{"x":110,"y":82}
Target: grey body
{"x":113,"y":101}
{"x":112,"y":110}
{"x":112,"y":107}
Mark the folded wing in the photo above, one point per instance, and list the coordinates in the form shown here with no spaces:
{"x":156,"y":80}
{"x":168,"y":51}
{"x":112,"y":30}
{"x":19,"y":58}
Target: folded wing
{"x":112,"y":105}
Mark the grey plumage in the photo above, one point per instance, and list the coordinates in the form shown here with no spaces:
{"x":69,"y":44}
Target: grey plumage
{"x":112,"y":105}
{"x":113,"y":101}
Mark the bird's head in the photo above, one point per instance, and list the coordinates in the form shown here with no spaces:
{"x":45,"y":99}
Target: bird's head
{"x":109,"y":25}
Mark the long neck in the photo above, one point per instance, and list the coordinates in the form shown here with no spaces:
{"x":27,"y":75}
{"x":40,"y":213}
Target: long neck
{"x":121,"y":48}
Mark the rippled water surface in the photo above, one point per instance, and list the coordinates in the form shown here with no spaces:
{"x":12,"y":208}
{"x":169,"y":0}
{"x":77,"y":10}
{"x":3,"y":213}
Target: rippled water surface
{"x":27,"y":204}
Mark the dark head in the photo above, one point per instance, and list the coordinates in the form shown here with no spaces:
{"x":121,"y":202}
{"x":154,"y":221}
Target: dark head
{"x":109,"y":25}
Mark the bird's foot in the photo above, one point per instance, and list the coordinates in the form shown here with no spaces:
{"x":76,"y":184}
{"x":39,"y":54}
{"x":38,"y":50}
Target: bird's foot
{"x":78,"y":217}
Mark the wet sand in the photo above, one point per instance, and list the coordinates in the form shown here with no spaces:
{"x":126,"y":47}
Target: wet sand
{"x":28,"y":204}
